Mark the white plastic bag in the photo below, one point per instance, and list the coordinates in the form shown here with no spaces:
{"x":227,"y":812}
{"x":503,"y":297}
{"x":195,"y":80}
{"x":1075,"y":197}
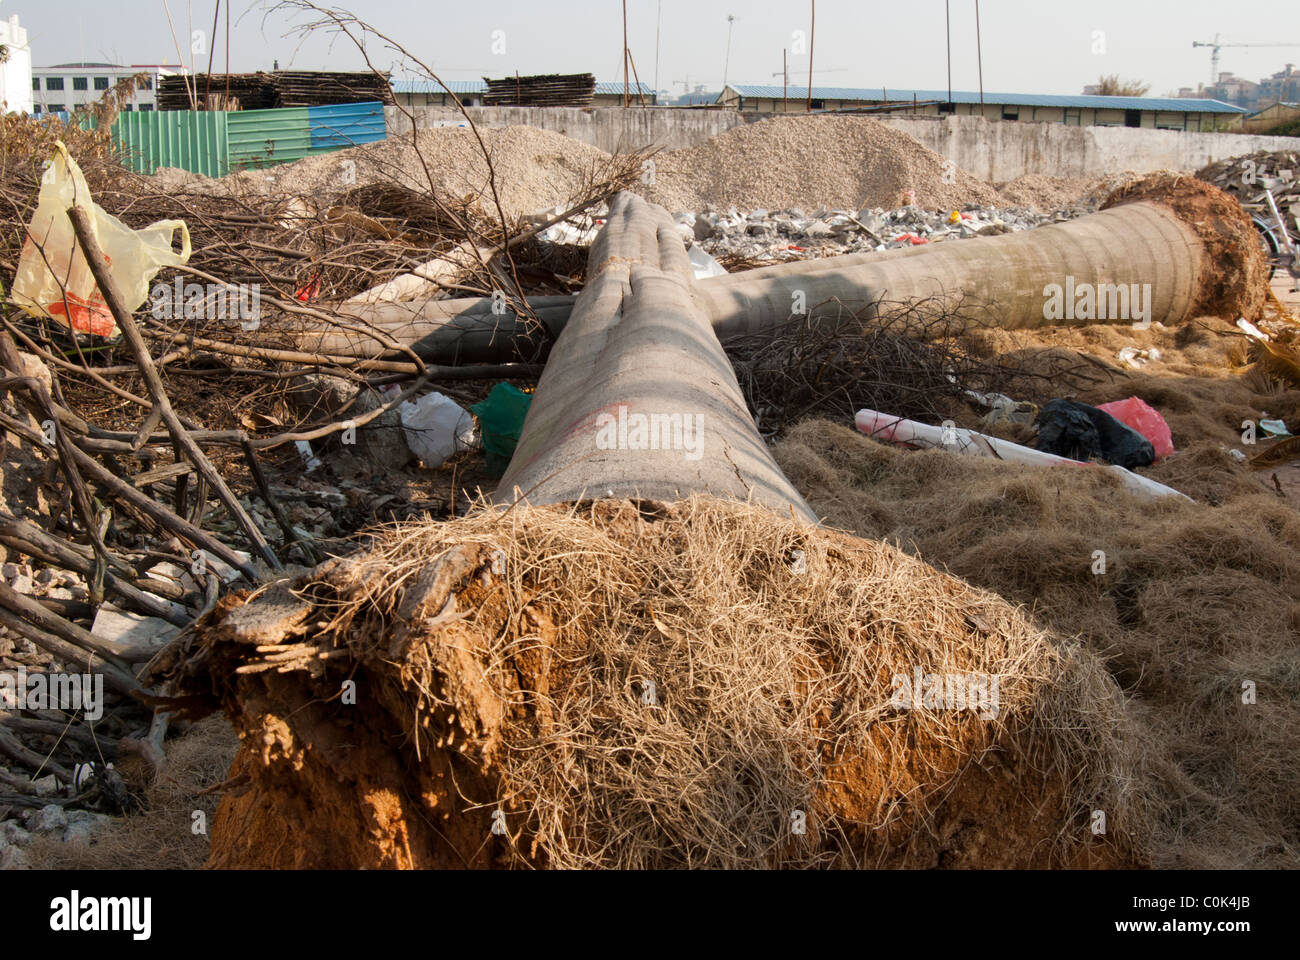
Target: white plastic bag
{"x":134,"y":256}
{"x":436,"y":427}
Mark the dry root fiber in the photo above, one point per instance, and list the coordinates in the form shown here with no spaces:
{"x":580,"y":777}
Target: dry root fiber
{"x":1195,"y":613}
{"x":633,"y":685}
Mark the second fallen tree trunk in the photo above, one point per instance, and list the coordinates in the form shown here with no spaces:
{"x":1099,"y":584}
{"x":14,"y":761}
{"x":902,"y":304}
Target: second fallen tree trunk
{"x":1168,"y":249}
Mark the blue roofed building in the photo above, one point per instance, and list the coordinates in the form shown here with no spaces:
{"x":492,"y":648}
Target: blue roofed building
{"x":1164,"y":113}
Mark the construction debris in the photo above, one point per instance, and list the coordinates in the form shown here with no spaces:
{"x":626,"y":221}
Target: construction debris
{"x":246,"y":509}
{"x":266,"y":91}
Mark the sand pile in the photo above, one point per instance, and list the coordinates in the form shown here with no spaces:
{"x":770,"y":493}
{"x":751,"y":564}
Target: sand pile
{"x":1198,"y":605}
{"x":704,"y":684}
{"x":812,"y":162}
{"x":535,"y":169}
{"x":807,"y":162}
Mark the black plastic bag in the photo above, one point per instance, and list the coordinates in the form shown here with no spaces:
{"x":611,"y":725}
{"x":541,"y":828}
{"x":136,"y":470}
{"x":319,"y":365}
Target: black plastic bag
{"x":1071,"y":429}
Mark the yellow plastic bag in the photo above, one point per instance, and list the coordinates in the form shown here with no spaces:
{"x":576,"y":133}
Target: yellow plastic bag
{"x":55,"y":280}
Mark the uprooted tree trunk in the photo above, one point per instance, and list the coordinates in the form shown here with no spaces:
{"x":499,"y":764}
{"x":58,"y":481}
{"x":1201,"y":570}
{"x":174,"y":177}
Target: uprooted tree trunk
{"x":638,"y":399}
{"x":1187,"y":249}
{"x":640,"y":683}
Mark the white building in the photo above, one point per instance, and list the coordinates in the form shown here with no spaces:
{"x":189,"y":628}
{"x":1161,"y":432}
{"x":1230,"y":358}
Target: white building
{"x":67,"y":86}
{"x":15,"y":68}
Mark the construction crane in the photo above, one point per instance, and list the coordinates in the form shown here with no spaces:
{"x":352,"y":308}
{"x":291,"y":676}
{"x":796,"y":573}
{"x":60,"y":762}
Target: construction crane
{"x":786,"y":72}
{"x":1215,"y":45}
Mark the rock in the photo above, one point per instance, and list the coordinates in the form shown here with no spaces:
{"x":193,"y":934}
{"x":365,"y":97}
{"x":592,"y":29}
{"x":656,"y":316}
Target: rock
{"x":34,"y":367}
{"x":47,"y":786}
{"x":9,"y":571}
{"x":45,"y":576}
{"x":817,"y":229}
{"x":83,"y":826}
{"x":22,"y":584}
{"x":11,"y":832}
{"x":12,"y":857}
{"x":382,"y":441}
{"x":318,"y":394}
{"x":761,"y":229}
{"x":48,"y":820}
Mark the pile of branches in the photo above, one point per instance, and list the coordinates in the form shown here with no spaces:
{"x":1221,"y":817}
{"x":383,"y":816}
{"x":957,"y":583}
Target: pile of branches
{"x":919,"y":359}
{"x":155,"y":492}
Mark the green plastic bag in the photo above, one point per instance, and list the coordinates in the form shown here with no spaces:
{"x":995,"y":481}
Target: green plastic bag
{"x":501,"y":419}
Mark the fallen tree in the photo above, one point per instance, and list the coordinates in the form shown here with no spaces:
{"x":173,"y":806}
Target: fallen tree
{"x":555,"y":682}
{"x":1165,"y":249}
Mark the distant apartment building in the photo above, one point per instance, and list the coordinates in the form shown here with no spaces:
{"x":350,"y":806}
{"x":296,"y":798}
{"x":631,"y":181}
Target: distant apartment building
{"x":1282,"y":87}
{"x":66,"y":86}
{"x":1234,"y":89}
{"x":15,"y":68}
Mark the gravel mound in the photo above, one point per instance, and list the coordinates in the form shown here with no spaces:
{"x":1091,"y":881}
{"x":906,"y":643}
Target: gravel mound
{"x":812,"y":162}
{"x":1048,"y":194}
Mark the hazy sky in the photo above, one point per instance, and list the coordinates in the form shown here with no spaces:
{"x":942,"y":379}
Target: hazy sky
{"x":1030,"y":46}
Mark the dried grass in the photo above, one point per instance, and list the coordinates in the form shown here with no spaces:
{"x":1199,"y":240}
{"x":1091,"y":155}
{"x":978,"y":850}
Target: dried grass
{"x":1195,"y":601}
{"x":160,"y":835}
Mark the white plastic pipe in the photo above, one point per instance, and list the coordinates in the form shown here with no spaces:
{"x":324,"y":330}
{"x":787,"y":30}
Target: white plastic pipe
{"x":909,"y":433}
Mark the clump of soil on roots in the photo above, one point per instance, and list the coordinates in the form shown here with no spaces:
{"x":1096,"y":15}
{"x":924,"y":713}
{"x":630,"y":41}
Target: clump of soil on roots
{"x":1234,"y":277}
{"x":630,"y":685}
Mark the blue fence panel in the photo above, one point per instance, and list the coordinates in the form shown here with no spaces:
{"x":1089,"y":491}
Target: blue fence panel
{"x":346,"y":124}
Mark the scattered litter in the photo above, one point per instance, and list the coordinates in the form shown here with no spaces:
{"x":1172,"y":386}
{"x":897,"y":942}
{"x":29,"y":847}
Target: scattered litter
{"x":1143,"y":418}
{"x":55,"y":280}
{"x":1078,"y":431}
{"x":501,"y":418}
{"x":883,"y":427}
{"x":1274,"y":428}
{"x":1136,"y":358}
{"x":1250,"y":329}
{"x":436,"y":427}
{"x":1003,"y":409}
{"x":309,"y":458}
{"x":703,"y":264}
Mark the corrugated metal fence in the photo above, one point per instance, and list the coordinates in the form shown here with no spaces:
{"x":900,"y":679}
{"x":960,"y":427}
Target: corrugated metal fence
{"x":214,"y":143}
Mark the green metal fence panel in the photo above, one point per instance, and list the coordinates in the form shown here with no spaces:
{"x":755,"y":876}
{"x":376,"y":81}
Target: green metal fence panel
{"x":260,"y":138}
{"x":181,"y":138}
{"x":214,"y":143}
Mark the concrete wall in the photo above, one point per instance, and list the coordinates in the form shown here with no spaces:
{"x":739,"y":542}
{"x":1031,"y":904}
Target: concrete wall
{"x":991,"y":150}
{"x":610,"y":128}
{"x":1003,"y":151}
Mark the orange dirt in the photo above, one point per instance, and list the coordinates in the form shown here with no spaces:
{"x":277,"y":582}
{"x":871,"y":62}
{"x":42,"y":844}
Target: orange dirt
{"x":1234,"y":275}
{"x":459,"y":670}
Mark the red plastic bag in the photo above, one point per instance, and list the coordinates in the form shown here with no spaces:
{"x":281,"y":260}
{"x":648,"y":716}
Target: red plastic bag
{"x":1145,"y":420}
